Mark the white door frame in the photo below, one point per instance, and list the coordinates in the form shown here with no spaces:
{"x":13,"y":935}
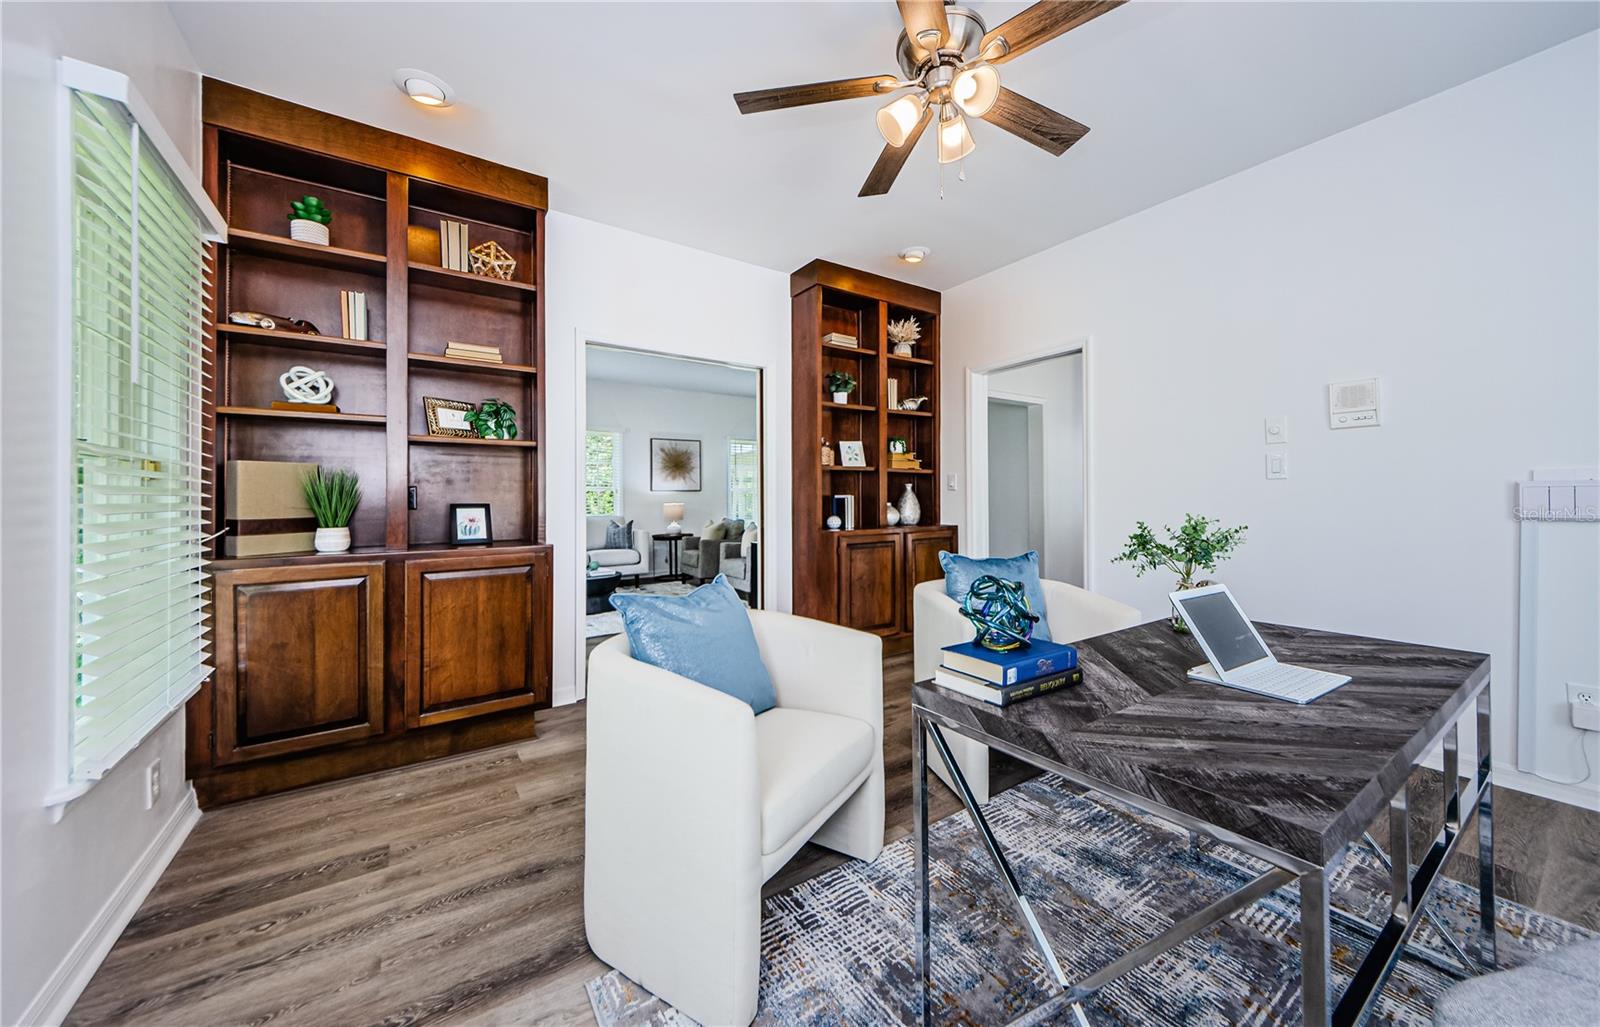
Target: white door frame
{"x":977,"y":541}
{"x":1038,"y":495}
{"x":580,"y":541}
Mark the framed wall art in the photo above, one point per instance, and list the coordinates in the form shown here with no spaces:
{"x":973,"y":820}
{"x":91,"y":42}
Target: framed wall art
{"x":674,"y":465}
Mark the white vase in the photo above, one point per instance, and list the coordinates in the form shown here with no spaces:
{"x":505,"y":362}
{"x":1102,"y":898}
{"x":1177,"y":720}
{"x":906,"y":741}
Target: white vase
{"x":306,"y":230}
{"x":332,"y":540}
{"x":891,"y":515}
{"x":841,"y":397}
{"x":910,"y":508}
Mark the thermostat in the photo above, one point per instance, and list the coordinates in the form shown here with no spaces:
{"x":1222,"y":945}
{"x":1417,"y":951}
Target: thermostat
{"x":1353,"y":404}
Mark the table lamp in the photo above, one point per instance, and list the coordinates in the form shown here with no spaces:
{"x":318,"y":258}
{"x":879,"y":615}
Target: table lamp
{"x":673,"y":512}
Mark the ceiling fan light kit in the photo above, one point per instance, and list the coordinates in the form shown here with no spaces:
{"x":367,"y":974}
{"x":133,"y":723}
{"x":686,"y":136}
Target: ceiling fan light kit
{"x":948,"y":58}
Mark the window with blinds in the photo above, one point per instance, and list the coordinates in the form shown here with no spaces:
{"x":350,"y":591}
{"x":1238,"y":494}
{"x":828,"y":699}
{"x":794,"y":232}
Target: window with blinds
{"x":138,"y":450}
{"x":602,"y":472}
{"x":744,"y":479}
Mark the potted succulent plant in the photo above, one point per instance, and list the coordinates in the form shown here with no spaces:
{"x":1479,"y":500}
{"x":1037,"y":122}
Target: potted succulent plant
{"x":841,"y":384}
{"x":309,"y":220}
{"x":1200,"y":544}
{"x":493,"y":420}
{"x":333,"y":499}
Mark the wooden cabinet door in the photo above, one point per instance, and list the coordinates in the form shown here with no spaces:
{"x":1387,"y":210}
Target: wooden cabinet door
{"x":922,"y":560}
{"x":299,"y":658}
{"x":477,"y":635}
{"x":869,"y":568}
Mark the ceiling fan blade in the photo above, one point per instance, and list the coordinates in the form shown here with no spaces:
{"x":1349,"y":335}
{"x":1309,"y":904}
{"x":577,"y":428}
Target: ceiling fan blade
{"x":892,"y":159}
{"x":758,"y":100}
{"x":1034,"y":122}
{"x":926,"y":25}
{"x":1043,"y":22}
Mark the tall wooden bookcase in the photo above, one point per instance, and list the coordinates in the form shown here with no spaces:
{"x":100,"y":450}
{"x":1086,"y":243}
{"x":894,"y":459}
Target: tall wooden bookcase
{"x":404,"y":647}
{"x":862,"y":577}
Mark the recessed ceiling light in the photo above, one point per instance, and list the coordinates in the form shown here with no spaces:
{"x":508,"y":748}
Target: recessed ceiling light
{"x":914,"y":254}
{"x":427,"y":90}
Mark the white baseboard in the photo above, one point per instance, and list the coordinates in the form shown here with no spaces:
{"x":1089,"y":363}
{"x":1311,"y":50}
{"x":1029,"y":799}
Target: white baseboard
{"x":56,"y":998}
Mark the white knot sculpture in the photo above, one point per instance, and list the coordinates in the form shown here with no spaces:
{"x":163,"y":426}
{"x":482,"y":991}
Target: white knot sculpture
{"x":303,"y":384}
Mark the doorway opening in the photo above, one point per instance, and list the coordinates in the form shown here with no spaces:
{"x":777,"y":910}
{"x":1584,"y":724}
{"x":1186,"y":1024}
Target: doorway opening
{"x":1028,"y":462}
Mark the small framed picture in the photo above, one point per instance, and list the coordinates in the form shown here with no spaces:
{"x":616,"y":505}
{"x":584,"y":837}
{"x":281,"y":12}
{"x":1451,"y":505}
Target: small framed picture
{"x":448,"y":417}
{"x":852,"y":454}
{"x":469,"y":524}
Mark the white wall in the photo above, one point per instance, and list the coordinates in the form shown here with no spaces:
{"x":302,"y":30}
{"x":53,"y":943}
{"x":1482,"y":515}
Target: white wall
{"x":641,"y":412}
{"x":610,"y":285}
{"x":1058,"y":381}
{"x":59,"y":878}
{"x":1016,"y":513}
{"x":1450,"y":247}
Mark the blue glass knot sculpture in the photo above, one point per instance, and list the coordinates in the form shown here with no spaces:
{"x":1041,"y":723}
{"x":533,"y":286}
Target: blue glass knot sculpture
{"x":999,"y":610}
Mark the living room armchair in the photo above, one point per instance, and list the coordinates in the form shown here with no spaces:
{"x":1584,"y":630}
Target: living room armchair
{"x":1073,"y":613}
{"x":701,"y":555}
{"x":693,"y":801}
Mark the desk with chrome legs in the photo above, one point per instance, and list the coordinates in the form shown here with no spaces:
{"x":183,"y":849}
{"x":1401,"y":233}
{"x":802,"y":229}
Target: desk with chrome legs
{"x":1291,"y":785}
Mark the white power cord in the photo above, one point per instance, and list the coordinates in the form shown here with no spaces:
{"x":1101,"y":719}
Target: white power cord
{"x":1588,"y":768}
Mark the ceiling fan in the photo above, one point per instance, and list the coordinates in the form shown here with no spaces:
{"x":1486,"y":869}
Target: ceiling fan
{"x":948,"y":57}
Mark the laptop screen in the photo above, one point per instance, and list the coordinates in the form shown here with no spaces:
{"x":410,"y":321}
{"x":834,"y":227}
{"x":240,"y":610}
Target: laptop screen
{"x":1216,"y":619}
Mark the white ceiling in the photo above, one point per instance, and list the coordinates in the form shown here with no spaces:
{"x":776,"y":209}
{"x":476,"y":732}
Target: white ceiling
{"x":635,"y":368}
{"x":628,"y":108}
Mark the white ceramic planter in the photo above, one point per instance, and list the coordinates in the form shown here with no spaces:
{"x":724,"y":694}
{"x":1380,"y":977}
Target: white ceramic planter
{"x":910,"y":508}
{"x":332,"y":540}
{"x":841,"y":397}
{"x":304,"y":230}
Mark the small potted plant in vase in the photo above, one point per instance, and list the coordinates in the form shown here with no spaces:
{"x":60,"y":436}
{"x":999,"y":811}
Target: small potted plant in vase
{"x":309,"y":220}
{"x":333,"y":499}
{"x":493,"y":420}
{"x":841,"y":384}
{"x":1200,"y":544}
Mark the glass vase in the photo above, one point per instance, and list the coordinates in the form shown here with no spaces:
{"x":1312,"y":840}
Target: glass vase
{"x":1176,"y":618}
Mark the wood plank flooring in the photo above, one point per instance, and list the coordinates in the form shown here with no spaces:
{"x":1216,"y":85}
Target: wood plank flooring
{"x":452,"y":892}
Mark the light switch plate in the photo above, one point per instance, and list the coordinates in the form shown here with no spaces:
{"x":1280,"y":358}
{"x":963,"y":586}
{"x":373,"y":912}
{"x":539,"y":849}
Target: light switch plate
{"x":1277,"y":430}
{"x":1277,"y":464}
{"x":950,"y":482}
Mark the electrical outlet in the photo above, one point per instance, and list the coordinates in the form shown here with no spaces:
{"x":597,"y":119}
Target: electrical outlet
{"x":152,"y":784}
{"x":1584,"y":706}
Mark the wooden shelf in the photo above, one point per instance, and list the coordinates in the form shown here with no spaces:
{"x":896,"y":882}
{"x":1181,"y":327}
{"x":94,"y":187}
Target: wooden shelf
{"x":860,"y":408}
{"x":839,"y":469}
{"x":298,"y":340}
{"x":854,"y":351}
{"x":910,"y":470}
{"x":895,"y":358}
{"x":475,"y":366}
{"x":297,"y":415}
{"x":450,"y":440}
{"x":243,"y":241}
{"x":418,"y":551}
{"x":911,"y":413}
{"x":482,"y":285}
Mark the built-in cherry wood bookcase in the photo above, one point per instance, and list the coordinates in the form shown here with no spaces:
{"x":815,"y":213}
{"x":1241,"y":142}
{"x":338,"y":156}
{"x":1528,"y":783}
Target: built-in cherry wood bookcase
{"x":404,"y":647}
{"x":863,"y":576}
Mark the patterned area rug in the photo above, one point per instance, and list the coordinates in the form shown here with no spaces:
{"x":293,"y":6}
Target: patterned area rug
{"x":600,"y":625}
{"x":838,"y":948}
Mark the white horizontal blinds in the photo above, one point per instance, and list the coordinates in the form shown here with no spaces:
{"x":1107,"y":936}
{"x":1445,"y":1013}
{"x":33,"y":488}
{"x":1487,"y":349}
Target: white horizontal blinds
{"x":139,"y":594}
{"x":744,"y":472}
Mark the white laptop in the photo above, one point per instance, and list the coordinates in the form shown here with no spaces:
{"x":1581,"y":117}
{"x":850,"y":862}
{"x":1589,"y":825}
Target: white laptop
{"x":1239,"y":658}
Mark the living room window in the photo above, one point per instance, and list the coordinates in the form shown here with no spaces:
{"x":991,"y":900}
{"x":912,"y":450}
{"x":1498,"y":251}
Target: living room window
{"x":137,"y":452}
{"x":744,"y":474}
{"x":602,"y":472}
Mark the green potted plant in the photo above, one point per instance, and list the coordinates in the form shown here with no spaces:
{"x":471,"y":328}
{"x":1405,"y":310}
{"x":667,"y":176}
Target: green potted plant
{"x":1200,"y":544}
{"x":841,"y":384}
{"x":333,"y":499}
{"x":493,"y":420}
{"x":309,"y":220}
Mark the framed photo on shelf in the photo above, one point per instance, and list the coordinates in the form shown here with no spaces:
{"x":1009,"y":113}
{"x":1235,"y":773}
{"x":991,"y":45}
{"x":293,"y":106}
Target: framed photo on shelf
{"x":448,"y":417}
{"x":852,"y":454}
{"x":470,"y":525}
{"x":674,"y":465}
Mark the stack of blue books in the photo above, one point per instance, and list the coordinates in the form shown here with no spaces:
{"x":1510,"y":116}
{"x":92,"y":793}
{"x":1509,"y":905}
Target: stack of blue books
{"x":1003,"y":678}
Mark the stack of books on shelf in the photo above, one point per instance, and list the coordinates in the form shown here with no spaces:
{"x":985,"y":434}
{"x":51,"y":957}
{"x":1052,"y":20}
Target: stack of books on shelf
{"x":473,"y":351}
{"x":453,"y":245}
{"x":840,"y":339}
{"x":1002,"y":678}
{"x":904,"y":462}
{"x":352,"y":314}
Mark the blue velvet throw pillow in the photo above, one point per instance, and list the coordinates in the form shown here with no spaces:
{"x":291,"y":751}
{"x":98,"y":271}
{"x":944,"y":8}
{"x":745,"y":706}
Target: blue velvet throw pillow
{"x":704,"y":636}
{"x":961,"y":571}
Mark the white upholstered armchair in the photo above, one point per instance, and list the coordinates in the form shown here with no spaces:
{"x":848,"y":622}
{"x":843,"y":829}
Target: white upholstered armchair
{"x":693,"y":801}
{"x":1073,"y":613}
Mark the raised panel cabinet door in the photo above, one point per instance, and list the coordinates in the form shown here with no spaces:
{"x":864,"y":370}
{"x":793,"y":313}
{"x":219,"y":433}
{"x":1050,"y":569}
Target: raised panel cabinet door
{"x":869,"y":581}
{"x":922,"y":560}
{"x":477,"y":635}
{"x":299,"y":659}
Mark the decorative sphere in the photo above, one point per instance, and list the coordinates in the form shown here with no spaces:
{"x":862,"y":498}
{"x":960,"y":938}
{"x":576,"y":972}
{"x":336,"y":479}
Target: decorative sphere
{"x":834,"y":523}
{"x":998,"y":609}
